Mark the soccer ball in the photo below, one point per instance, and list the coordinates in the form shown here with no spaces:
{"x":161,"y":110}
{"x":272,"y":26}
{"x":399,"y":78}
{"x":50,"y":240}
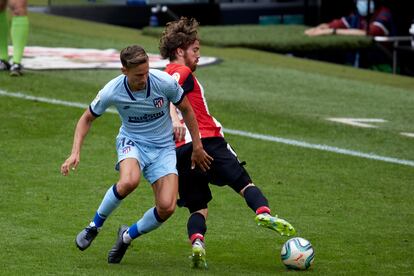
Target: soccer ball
{"x":297,"y":253}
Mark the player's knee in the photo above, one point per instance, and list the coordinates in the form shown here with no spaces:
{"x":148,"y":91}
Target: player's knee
{"x":203,"y":212}
{"x":165,"y":210}
{"x":247,"y":186}
{"x":200,"y":207}
{"x":127,"y":185}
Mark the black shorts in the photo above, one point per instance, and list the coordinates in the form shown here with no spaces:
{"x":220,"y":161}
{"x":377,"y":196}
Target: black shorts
{"x":224,"y":170}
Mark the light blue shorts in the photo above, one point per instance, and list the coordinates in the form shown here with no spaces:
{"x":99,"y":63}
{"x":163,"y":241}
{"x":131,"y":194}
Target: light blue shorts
{"x":155,"y":162}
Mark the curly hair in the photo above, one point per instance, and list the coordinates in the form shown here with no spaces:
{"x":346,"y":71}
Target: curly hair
{"x":178,"y":34}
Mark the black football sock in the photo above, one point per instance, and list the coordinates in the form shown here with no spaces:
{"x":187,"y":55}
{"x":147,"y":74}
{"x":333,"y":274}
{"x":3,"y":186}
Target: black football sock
{"x":256,"y":200}
{"x":196,"y":227}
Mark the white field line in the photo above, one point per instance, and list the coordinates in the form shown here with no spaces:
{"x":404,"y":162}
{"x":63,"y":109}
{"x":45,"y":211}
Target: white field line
{"x":358,"y":122}
{"x":235,"y":132}
{"x":408,"y":134}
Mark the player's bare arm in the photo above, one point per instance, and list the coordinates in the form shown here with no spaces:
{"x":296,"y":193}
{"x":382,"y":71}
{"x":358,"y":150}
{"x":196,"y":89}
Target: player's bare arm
{"x":199,"y":157}
{"x":331,"y":31}
{"x":82,"y":129}
{"x":178,"y":127}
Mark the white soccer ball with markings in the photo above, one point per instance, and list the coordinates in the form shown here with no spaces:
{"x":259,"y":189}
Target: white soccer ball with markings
{"x":297,"y":253}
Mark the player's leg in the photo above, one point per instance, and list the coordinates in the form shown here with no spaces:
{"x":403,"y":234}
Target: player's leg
{"x":128,"y":181}
{"x":165,"y":191}
{"x":19,"y":33}
{"x":196,"y":228}
{"x":230,"y":170}
{"x":4,"y":37}
{"x":162,"y":173}
{"x":259,"y":204}
{"x":194,"y":194}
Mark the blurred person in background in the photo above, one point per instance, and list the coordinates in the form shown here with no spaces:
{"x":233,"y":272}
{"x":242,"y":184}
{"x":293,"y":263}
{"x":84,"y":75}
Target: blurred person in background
{"x":19,"y":32}
{"x":380,"y":22}
{"x":377,"y":20}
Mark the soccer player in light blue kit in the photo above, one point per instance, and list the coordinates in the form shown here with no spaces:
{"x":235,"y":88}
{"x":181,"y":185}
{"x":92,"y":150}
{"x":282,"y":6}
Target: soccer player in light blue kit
{"x":144,"y":143}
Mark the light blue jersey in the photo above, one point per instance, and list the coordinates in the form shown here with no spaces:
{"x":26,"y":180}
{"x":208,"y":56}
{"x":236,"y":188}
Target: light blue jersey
{"x":145,"y":114}
{"x":146,"y":133}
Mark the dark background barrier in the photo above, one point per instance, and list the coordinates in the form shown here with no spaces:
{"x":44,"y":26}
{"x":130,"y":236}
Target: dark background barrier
{"x":138,"y":16}
{"x":307,"y":12}
{"x":300,"y":12}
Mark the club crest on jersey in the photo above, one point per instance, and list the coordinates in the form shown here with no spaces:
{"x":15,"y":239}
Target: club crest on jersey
{"x":158,"y":102}
{"x":126,"y":149}
{"x":176,"y":76}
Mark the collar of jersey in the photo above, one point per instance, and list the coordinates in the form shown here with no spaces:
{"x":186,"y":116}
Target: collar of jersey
{"x":130,"y":92}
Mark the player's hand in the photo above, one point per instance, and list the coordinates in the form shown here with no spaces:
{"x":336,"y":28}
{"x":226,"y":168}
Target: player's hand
{"x":179,"y":131}
{"x":70,"y":163}
{"x":201,"y":158}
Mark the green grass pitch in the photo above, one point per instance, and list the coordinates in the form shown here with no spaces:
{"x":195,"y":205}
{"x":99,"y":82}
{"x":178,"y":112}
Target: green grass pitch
{"x":356,"y":212}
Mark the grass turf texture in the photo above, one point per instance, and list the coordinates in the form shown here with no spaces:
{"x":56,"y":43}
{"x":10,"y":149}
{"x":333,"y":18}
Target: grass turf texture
{"x":356,"y":212}
{"x":280,"y":38}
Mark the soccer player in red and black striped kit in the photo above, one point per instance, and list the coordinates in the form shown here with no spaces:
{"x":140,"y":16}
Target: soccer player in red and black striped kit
{"x":180,"y":44}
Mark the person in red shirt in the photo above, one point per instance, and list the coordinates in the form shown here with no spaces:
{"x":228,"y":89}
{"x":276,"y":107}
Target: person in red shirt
{"x":381,"y":22}
{"x":181,"y":45}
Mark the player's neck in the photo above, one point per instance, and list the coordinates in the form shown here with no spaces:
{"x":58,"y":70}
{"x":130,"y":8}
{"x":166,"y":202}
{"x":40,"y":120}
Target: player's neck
{"x":135,"y":88}
{"x":179,"y":60}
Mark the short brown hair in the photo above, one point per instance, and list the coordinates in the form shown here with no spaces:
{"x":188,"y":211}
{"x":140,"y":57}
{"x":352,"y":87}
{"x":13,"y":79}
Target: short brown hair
{"x":132,"y":56}
{"x":178,"y":34}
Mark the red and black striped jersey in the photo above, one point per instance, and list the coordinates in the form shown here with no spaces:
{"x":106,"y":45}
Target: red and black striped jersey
{"x":207,"y":124}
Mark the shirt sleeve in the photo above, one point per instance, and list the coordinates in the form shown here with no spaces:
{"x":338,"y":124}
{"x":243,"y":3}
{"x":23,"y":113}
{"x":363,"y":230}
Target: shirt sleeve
{"x":175,"y":93}
{"x":181,"y":74}
{"x":337,"y":24}
{"x":100,"y":103}
{"x":352,"y":21}
{"x":188,"y":84}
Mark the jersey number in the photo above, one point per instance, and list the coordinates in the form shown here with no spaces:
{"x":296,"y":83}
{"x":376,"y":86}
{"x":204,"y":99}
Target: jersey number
{"x":128,"y":142}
